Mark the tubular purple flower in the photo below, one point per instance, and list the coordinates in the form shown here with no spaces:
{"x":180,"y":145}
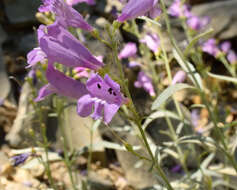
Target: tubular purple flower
{"x":104,"y":95}
{"x":225,"y":46}
{"x":197,"y":23}
{"x":129,"y":50}
{"x":178,"y":9}
{"x":145,"y":82}
{"x":61,"y":84}
{"x":65,"y":14}
{"x":179,"y":77}
{"x":74,"y":2}
{"x":34,"y":56}
{"x":61,"y":46}
{"x":210,"y":47}
{"x":232,"y":57}
{"x":20,"y":159}
{"x":135,"y":8}
{"x":152,"y":41}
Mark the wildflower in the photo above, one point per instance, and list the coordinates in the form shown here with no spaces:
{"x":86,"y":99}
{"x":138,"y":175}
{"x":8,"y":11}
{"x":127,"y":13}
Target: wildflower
{"x":179,"y":77}
{"x":152,"y":41}
{"x":74,"y":2}
{"x":210,"y":47}
{"x":65,"y":14}
{"x":232,"y":57}
{"x":143,"y":81}
{"x":1,"y":101}
{"x":225,"y":46}
{"x":129,"y":50}
{"x":104,"y":95}
{"x":133,"y":64}
{"x":135,"y":8}
{"x":34,"y":56}
{"x":178,"y":9}
{"x":19,"y":159}
{"x":61,"y":46}
{"x":61,"y":84}
{"x":176,"y":169}
{"x":197,"y":23}
{"x":81,"y":72}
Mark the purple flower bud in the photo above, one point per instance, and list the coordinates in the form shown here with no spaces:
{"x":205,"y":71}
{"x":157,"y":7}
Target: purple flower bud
{"x":129,"y":50}
{"x":178,"y":9}
{"x":210,"y":47}
{"x":103,"y":99}
{"x":152,"y":41}
{"x":145,"y":82}
{"x":177,"y":169}
{"x":135,"y":8}
{"x":19,"y":159}
{"x":74,"y":2}
{"x":232,"y":57}
{"x":225,"y":46}
{"x":197,"y":23}
{"x":81,"y":72}
{"x":179,"y":77}
{"x":65,"y":14}
{"x":61,"y":46}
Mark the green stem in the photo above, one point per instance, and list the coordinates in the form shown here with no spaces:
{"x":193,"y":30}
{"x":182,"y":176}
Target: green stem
{"x":202,"y":94}
{"x":137,"y":116}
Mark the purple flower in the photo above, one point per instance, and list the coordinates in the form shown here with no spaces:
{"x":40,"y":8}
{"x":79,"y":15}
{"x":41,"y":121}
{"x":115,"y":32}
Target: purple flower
{"x":102,"y":100}
{"x":232,"y":57}
{"x":135,"y":8}
{"x":129,"y":50}
{"x":19,"y":159}
{"x":61,"y":84}
{"x":177,"y":169}
{"x":197,"y":23}
{"x":35,"y":56}
{"x":178,"y":9}
{"x":179,"y":77}
{"x":152,"y":41}
{"x":145,"y":82}
{"x":61,"y":46}
{"x":210,"y":47}
{"x":133,"y":64}
{"x":1,"y":101}
{"x":225,"y":46}
{"x":65,"y":14}
{"x":81,"y":72}
{"x":74,"y":2}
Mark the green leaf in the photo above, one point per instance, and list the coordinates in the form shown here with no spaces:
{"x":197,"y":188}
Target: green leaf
{"x":221,"y":77}
{"x":167,"y":93}
{"x":188,"y":67}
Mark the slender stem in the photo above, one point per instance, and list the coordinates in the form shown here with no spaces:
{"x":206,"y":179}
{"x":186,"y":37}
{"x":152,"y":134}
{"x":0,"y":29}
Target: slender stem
{"x":202,"y":94}
{"x":137,"y":117}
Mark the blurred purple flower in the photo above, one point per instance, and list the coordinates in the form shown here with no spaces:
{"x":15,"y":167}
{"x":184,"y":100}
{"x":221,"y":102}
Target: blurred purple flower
{"x":225,"y":46}
{"x":35,"y":56}
{"x":65,"y":14}
{"x":232,"y":57}
{"x":133,"y":64}
{"x":61,"y":84}
{"x":19,"y":159}
{"x":145,"y":82}
{"x":210,"y":47}
{"x":135,"y":8}
{"x":1,"y":101}
{"x":197,"y":23}
{"x":177,"y":169}
{"x":74,"y":2}
{"x":61,"y":46}
{"x":178,"y":9}
{"x":129,"y":50}
{"x":195,"y":117}
{"x":152,"y":41}
{"x":81,"y":72}
{"x":179,"y":77}
{"x":32,"y":75}
{"x":102,"y":100}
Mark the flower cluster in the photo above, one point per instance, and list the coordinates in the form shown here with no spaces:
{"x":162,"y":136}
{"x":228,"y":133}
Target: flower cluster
{"x":100,"y":98}
{"x":179,"y":9}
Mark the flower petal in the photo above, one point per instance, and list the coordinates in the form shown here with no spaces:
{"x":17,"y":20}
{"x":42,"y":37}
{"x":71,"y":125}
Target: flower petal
{"x":85,"y":106}
{"x":109,"y":111}
{"x":46,"y":90}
